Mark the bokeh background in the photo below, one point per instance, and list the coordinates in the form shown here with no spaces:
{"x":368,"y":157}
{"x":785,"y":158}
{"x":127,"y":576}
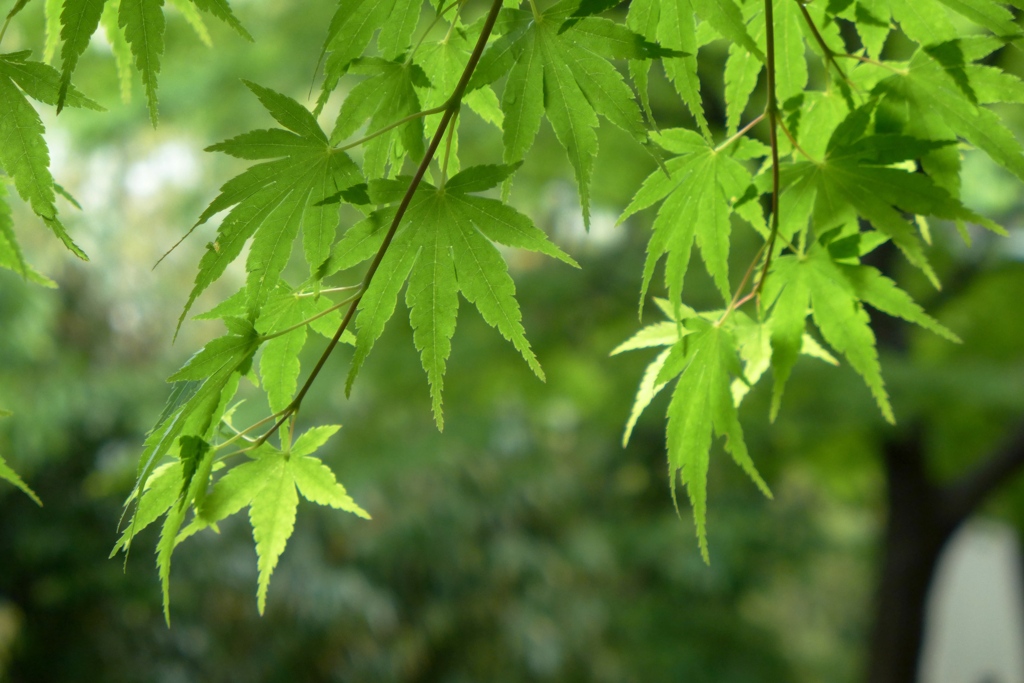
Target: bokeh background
{"x":525,"y":542}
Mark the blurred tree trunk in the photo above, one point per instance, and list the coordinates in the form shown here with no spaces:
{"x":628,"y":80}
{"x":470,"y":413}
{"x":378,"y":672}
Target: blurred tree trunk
{"x":923,"y":514}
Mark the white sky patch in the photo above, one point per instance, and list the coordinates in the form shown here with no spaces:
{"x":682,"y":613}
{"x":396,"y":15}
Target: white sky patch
{"x":561,"y":205}
{"x":173,"y":164}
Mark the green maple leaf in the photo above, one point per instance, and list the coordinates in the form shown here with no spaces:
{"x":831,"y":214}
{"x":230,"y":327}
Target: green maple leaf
{"x":222,"y":10}
{"x":387,"y":97}
{"x":78,"y":21}
{"x":194,"y":18}
{"x":563,"y":70}
{"x":135,"y":30}
{"x":702,"y":406}
{"x":23,"y":151}
{"x":699,"y":194}
{"x":42,"y":82}
{"x":834,"y":295}
{"x":790,"y":51}
{"x":203,"y":386}
{"x":10,"y":251}
{"x":162,"y":490}
{"x":857,"y":178}
{"x":282,"y":328}
{"x":445,"y":60}
{"x":10,"y":476}
{"x":267,"y":486}
{"x":443,"y":247}
{"x":673,"y":24}
{"x":119,"y":47}
{"x":279,"y":363}
{"x":143,"y":24}
{"x":872,"y":19}
{"x":352,"y":28}
{"x":51,"y":10}
{"x":742,"y":70}
{"x":927,"y":21}
{"x":752,"y":342}
{"x":273,"y":201}
{"x":272,"y":515}
{"x":230,"y":350}
{"x":934,"y":98}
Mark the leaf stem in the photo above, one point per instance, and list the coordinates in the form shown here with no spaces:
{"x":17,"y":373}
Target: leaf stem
{"x":796,"y":145}
{"x":253,"y":445}
{"x":326,"y":311}
{"x":736,"y":301}
{"x":426,"y":32}
{"x":390,"y":126}
{"x":875,"y":62}
{"x":772,"y":109}
{"x":332,"y":290}
{"x":251,"y":428}
{"x":740,"y":133}
{"x":235,"y":430}
{"x":830,"y":56}
{"x":18,"y":6}
{"x":536,"y":12}
{"x":451,"y":107}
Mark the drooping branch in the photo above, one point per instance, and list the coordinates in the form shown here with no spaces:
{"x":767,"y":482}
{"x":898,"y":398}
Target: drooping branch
{"x":963,"y":496}
{"x":451,"y":108}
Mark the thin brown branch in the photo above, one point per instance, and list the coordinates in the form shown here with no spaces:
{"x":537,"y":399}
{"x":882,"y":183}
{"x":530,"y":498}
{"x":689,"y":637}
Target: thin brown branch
{"x":773,"y":121}
{"x":796,"y":145}
{"x":392,"y":126}
{"x":451,"y":107}
{"x":830,"y":56}
{"x":740,"y":133}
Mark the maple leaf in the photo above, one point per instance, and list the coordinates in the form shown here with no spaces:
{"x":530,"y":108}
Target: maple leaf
{"x":680,"y":338}
{"x":934,"y":97}
{"x":445,"y":60}
{"x":119,"y":47}
{"x":857,"y":178}
{"x":834,"y":294}
{"x":351,"y":30}
{"x":386,"y":98}
{"x":284,"y":322}
{"x":143,"y":24}
{"x":267,"y":486}
{"x":78,"y":21}
{"x":699,"y":193}
{"x":443,"y":247}
{"x":202,"y":388}
{"x":23,"y":151}
{"x":562,"y":69}
{"x":705,"y":360}
{"x":272,"y":201}
{"x":134,"y":28}
{"x":10,"y":476}
{"x":10,"y":251}
{"x":673,"y":24}
{"x":162,"y":490}
{"x":222,"y":10}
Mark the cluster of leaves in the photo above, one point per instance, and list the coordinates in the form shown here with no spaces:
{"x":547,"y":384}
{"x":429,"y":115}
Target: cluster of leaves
{"x":135,"y":30}
{"x":868,"y":157}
